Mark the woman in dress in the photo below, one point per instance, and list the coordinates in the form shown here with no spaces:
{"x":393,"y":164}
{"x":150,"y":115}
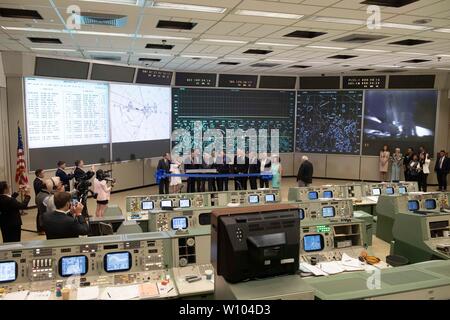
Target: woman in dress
{"x":277,"y":171}
{"x":397,"y":163}
{"x":384,"y":163}
{"x":175,"y":182}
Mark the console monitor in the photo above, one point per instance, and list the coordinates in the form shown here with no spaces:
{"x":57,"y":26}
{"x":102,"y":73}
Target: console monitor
{"x":178,"y":223}
{"x":253,"y":199}
{"x":117,"y":261}
{"x":8,"y":271}
{"x":185,"y":203}
{"x":313,"y":242}
{"x":270,"y":197}
{"x":328,"y":194}
{"x":389,"y":190}
{"x":413,"y":205}
{"x":328,"y":212}
{"x":73,"y":265}
{"x":166,"y":204}
{"x":430,"y":204}
{"x":147,"y":205}
{"x":376,"y":191}
{"x":402,"y":190}
{"x":313,"y":195}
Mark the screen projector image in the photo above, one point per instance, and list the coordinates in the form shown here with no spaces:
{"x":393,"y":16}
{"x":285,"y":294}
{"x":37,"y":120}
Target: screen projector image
{"x":140,"y":113}
{"x":399,"y":118}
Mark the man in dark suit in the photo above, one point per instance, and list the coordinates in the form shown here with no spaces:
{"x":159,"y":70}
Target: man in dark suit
{"x":80,"y":174}
{"x":164,"y":165}
{"x":240,"y":166}
{"x":41,"y":199}
{"x":63,"y":176}
{"x":10,"y":207}
{"x":442,"y":168}
{"x":38,"y":182}
{"x":223,"y":168}
{"x":254,"y":166}
{"x":264,"y":167}
{"x":305,"y":173}
{"x":66,"y":221}
{"x":406,"y":160}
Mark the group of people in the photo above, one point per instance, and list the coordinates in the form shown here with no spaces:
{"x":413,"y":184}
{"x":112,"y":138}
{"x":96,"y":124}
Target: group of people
{"x":61,"y":211}
{"x":415,"y":166}
{"x":221,"y":166}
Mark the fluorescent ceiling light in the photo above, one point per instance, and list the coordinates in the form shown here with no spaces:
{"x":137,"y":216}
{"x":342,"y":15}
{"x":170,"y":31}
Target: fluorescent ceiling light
{"x":413,"y":53}
{"x":224,"y":41}
{"x":276,"y":44}
{"x":315,"y":62}
{"x":444,"y":55}
{"x":195,"y":56}
{"x":54,"y":49}
{"x":370,"y":50}
{"x":386,"y":66}
{"x":447,"y":69}
{"x":445,"y":30}
{"x":125,"y":2}
{"x":163,"y":37}
{"x":153,"y":54}
{"x":411,"y":67}
{"x":339,"y":20}
{"x":280,"y":60}
{"x":404,"y":26}
{"x":107,"y":52}
{"x":95,"y":33}
{"x":324,"y":47}
{"x":186,"y":7}
{"x":268,"y":14}
{"x":32,"y":29}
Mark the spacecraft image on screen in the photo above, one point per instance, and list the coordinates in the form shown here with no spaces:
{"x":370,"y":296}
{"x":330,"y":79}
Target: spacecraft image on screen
{"x":399,"y":118}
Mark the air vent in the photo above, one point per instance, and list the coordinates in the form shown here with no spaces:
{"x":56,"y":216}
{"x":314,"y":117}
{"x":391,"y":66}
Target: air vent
{"x":389,"y":3}
{"x":149,"y":60}
{"x":304,"y":34}
{"x":19,"y":14}
{"x":363,"y":69}
{"x":416,"y":61}
{"x":107,"y":58}
{"x":360,"y":38}
{"x":103,"y":19}
{"x":257,"y":51}
{"x":342,"y":56}
{"x":45,"y":40}
{"x":178,"y":25}
{"x":410,"y":42}
{"x":229,"y":63}
{"x":300,"y":67}
{"x":159,"y":46}
{"x":264,"y":65}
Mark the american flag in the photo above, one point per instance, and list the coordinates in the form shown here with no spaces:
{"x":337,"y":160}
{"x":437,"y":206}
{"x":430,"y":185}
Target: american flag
{"x":21,"y":177}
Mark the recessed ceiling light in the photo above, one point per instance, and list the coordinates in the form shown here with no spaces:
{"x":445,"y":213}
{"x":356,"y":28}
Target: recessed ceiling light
{"x":386,"y":66}
{"x":325,"y":47}
{"x":339,"y":20}
{"x":144,"y":36}
{"x":370,"y":50}
{"x":186,"y":7}
{"x":446,"y":30}
{"x":413,"y":53}
{"x":268,"y":14}
{"x":404,"y":26}
{"x":54,"y":49}
{"x":225,"y":41}
{"x":276,"y":44}
{"x":125,"y":2}
{"x":32,"y":29}
{"x":279,"y":60}
{"x":153,"y":54}
{"x":448,"y":69}
{"x":197,"y":57}
{"x":411,"y":67}
{"x":106,"y":52}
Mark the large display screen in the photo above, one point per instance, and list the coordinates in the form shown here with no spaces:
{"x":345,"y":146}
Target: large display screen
{"x":399,"y":119}
{"x":329,"y":121}
{"x":236,"y":109}
{"x":139,"y":113}
{"x":66,"y":113}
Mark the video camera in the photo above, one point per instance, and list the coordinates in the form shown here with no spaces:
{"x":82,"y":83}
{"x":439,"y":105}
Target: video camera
{"x":105,"y":175}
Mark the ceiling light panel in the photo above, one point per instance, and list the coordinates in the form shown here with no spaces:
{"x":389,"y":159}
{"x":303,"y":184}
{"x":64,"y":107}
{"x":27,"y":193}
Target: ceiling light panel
{"x":186,"y":7}
{"x":267,"y":14}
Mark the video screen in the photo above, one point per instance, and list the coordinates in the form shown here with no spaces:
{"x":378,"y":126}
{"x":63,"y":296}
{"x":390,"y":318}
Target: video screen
{"x":74,"y":265}
{"x":328,"y":212}
{"x":166,"y":204}
{"x":147,"y":205}
{"x":328,"y":194}
{"x":270,"y":197}
{"x":185,"y":203}
{"x":399,"y":119}
{"x":389,"y":190}
{"x":430,"y":204}
{"x":402,"y":190}
{"x":301,"y":214}
{"x":329,"y":121}
{"x":313,"y":243}
{"x":117,"y":261}
{"x":253,"y":199}
{"x":376,"y":191}
{"x":413,"y":205}
{"x":179,"y":223}
{"x":8,"y":271}
{"x":313,"y":195}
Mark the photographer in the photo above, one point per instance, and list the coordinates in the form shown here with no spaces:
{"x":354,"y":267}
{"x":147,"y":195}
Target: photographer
{"x":83,"y":184}
{"x":103,"y":192}
{"x":10,"y":219}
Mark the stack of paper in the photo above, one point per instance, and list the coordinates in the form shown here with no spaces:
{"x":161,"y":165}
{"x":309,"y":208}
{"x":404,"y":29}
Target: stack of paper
{"x":147,"y":290}
{"x":39,"y":295}
{"x":351,"y":264}
{"x":122,"y":293}
{"x":306,"y":267}
{"x":19,"y":295}
{"x":331,"y":267}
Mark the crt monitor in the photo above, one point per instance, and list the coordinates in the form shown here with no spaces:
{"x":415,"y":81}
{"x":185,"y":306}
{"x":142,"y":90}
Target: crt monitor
{"x":147,"y":205}
{"x":253,"y":199}
{"x":402,"y":190}
{"x":270,"y":198}
{"x":328,"y":212}
{"x":430,"y":204}
{"x":376,"y":191}
{"x":73,"y":265}
{"x":117,"y":261}
{"x":301,"y":214}
{"x":8,"y":271}
{"x":328,"y":194}
{"x":166,"y":204}
{"x":389,"y":190}
{"x":178,"y":223}
{"x":185,"y":203}
{"x":313,"y":242}
{"x":313,"y":195}
{"x":413,"y":205}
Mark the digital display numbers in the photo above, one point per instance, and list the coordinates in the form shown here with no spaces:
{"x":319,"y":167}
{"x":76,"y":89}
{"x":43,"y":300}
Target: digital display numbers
{"x":154,"y":77}
{"x":323,"y":229}
{"x":364,"y":82}
{"x":195,"y":79}
{"x":237,"y":81}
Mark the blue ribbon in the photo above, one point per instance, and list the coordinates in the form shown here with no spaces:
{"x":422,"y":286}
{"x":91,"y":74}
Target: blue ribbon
{"x":161,"y":174}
